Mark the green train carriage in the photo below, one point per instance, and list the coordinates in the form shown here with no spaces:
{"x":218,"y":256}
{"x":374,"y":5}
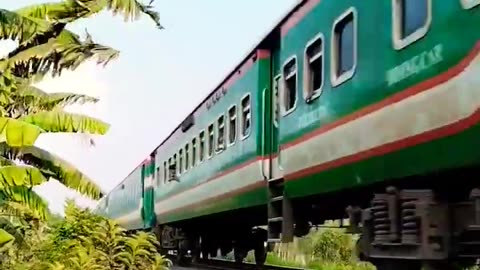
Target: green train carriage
{"x":345,"y":99}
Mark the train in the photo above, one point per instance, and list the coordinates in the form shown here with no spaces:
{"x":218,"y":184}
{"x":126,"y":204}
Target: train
{"x":343,"y":110}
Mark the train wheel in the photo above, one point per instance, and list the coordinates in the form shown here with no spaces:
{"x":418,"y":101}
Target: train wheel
{"x":196,"y":250}
{"x":182,"y":259}
{"x":239,"y":254}
{"x":260,"y":254}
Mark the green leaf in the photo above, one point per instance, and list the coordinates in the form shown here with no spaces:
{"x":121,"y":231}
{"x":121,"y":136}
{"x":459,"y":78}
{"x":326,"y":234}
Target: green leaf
{"x":66,"y":51}
{"x":65,"y":11}
{"x":30,"y":99}
{"x":59,"y":121}
{"x":5,"y":238}
{"x":72,"y":10}
{"x":17,"y":27}
{"x":27,"y":197}
{"x":12,"y":176}
{"x":53,"y":166}
{"x":18,"y":133}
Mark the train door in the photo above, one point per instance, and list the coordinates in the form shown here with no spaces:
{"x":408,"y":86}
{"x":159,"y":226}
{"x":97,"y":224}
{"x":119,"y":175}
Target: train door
{"x":276,"y":170}
{"x":269,"y":97}
{"x":280,"y":226}
{"x":148,"y":192}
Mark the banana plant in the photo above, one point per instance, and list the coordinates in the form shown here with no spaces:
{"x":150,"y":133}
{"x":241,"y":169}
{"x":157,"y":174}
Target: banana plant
{"x":26,"y":112}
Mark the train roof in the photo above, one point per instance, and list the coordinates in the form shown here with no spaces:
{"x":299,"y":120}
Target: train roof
{"x":264,"y":38}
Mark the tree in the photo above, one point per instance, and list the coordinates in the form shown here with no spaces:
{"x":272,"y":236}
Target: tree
{"x":46,"y":46}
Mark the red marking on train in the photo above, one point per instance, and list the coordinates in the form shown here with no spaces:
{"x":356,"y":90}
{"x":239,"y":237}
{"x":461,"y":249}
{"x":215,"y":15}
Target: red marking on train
{"x":215,"y":199}
{"x":223,"y":173}
{"x":391,"y":147}
{"x":297,"y":16}
{"x":416,"y":89}
{"x":262,"y":54}
{"x":380,"y":150}
{"x":440,"y":132}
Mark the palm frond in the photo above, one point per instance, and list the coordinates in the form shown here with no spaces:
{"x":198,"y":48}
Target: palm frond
{"x":14,"y":229}
{"x":71,"y":10}
{"x":60,"y":121}
{"x":64,"y":12}
{"x":25,"y":196}
{"x":25,"y":176}
{"x":18,"y":133}
{"x":17,"y":210}
{"x":5,"y":238}
{"x":53,"y":166}
{"x":21,"y":28}
{"x":65,"y":52}
{"x":29,"y":99}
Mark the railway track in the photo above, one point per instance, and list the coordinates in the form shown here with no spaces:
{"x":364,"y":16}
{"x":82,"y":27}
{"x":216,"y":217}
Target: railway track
{"x":231,"y":265}
{"x":226,"y":264}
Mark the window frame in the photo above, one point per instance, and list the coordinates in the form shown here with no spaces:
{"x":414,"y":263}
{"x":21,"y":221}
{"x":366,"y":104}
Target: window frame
{"x":242,"y":136}
{"x":194,"y":151}
{"x":277,"y":81}
{"x":398,"y":42}
{"x":217,"y":135}
{"x":210,"y":155}
{"x":469,"y":4}
{"x":186,"y":160}
{"x":158,"y":178}
{"x":334,"y":61}
{"x":181,"y":160}
{"x":200,"y":161}
{"x":175,"y":161}
{"x":306,"y":64}
{"x":165,"y":172}
{"x":229,"y":123}
{"x":284,"y":112}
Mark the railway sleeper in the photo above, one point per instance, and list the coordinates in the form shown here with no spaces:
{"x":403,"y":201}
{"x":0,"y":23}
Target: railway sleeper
{"x":412,"y":228}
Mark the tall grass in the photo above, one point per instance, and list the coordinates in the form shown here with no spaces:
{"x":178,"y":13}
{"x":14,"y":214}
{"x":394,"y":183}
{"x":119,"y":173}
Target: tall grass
{"x":330,"y":248}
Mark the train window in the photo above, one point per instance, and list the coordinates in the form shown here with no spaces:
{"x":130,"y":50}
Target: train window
{"x":232,"y":124}
{"x":172,"y":168}
{"x":220,"y":133}
{"x":164,"y":172}
{"x":211,"y":140}
{"x":194,"y":152}
{"x":344,"y":47}
{"x":201,"y":149}
{"x":411,"y":20}
{"x":175,"y":160}
{"x":246,"y":116}
{"x":158,"y":177}
{"x":313,"y":66}
{"x":289,"y":85}
{"x":276,"y":88}
{"x":180,"y":161}
{"x":467,"y":4}
{"x":187,"y":157}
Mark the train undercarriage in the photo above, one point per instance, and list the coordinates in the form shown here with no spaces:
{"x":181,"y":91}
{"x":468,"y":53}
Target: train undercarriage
{"x":189,"y":245}
{"x":415,"y":228}
{"x":434,"y":225}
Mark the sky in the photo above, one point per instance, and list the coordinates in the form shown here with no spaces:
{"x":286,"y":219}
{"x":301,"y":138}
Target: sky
{"x":160,"y":76}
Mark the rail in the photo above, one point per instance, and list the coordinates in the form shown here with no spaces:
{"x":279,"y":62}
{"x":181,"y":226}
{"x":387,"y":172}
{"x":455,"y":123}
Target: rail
{"x":231,"y":265}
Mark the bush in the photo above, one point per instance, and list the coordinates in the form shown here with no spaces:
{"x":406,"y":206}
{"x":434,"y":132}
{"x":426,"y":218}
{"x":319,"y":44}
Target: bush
{"x":84,"y":241}
{"x":329,"y":249}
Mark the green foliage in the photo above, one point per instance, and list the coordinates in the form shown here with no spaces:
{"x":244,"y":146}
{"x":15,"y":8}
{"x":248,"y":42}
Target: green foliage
{"x":84,"y":241}
{"x":46,"y":46}
{"x":329,"y":249}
